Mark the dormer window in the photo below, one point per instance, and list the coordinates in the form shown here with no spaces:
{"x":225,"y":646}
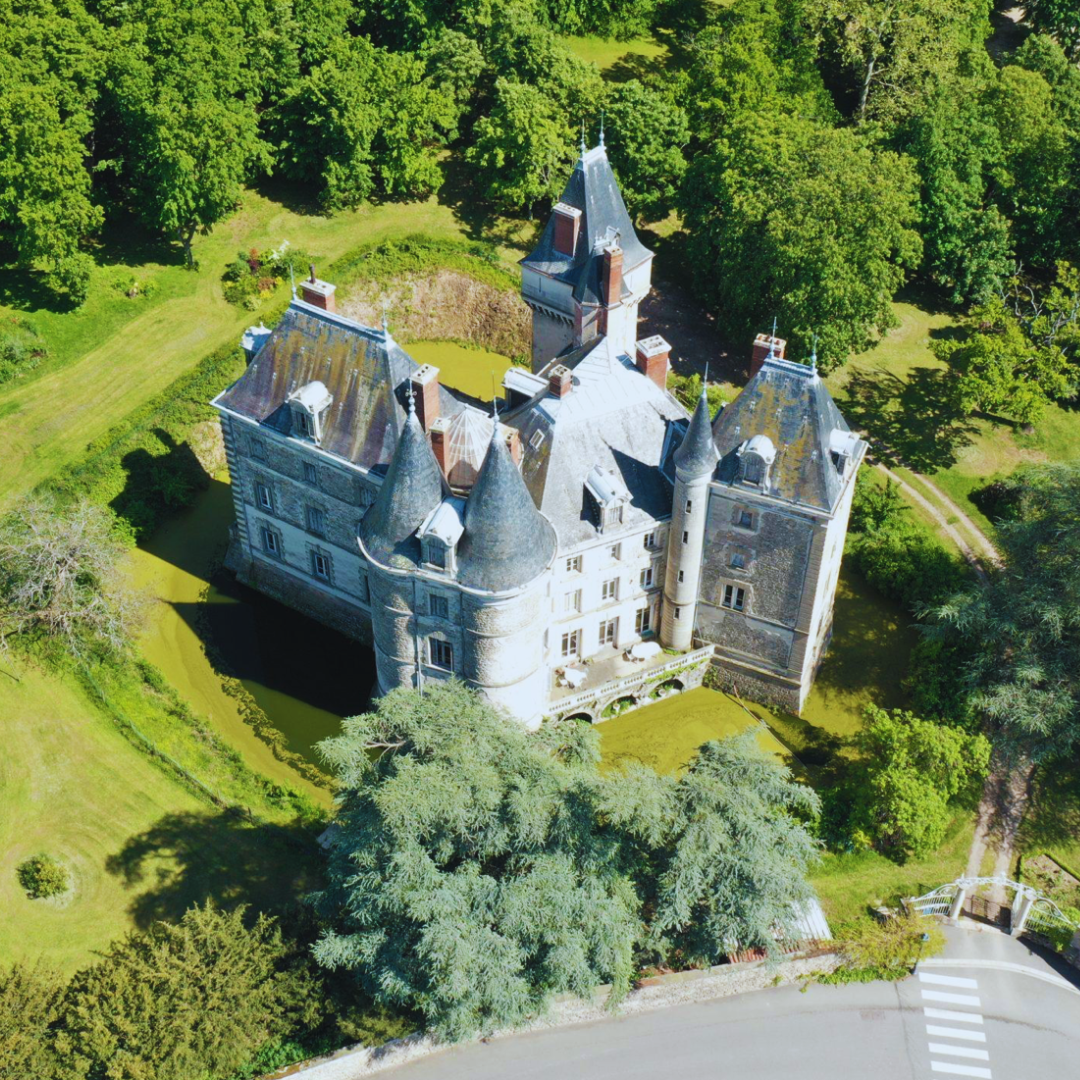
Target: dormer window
{"x":308,"y":407}
{"x":756,"y":457}
{"x":440,"y":533}
{"x":609,"y":497}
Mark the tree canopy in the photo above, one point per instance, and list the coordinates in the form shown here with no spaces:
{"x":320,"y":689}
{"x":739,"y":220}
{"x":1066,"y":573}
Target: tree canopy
{"x":477,"y":869}
{"x":1020,"y":631}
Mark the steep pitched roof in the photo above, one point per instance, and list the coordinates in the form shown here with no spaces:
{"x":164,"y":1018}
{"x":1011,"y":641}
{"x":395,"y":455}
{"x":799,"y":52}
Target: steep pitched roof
{"x":507,"y":541}
{"x":410,"y":491}
{"x":593,"y":190}
{"x":613,"y":418}
{"x":360,"y":367}
{"x":788,"y":403}
{"x":697,"y":454}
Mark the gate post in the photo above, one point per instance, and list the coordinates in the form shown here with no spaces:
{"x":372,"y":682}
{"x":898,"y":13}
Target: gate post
{"x":1020,"y":910}
{"x":958,"y":903}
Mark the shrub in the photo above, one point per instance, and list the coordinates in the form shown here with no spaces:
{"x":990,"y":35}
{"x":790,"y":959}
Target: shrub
{"x":871,"y":952}
{"x":43,"y":876}
{"x":687,"y":388}
{"x":21,"y":349}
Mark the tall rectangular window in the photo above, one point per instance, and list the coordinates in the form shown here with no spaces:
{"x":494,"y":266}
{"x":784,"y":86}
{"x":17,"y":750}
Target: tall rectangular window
{"x":571,"y":643}
{"x":264,"y":496}
{"x":609,"y":631}
{"x":682,"y":576}
{"x":441,"y":654}
{"x":746,"y":519}
{"x":615,"y":551}
{"x":610,"y":590}
{"x":438,"y":606}
{"x":648,"y":541}
{"x":304,"y":425}
{"x":686,"y":538}
{"x":258,"y":451}
{"x":738,"y":560}
{"x":316,"y":520}
{"x":647,"y":577}
{"x":365,"y":588}
{"x":573,"y":564}
{"x":689,"y":507}
{"x":642,"y":620}
{"x":572,"y":601}
{"x":271,"y":543}
{"x":311,"y":474}
{"x":320,"y":565}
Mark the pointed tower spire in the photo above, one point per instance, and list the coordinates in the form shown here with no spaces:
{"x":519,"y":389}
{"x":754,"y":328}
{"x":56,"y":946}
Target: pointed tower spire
{"x":292,"y":280}
{"x":697,"y":454}
{"x":601,"y":129}
{"x":813,"y":354}
{"x":582,"y":138}
{"x":507,"y":542}
{"x":411,"y":489}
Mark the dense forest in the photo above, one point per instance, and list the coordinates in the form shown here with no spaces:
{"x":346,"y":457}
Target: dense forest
{"x":820,"y":153}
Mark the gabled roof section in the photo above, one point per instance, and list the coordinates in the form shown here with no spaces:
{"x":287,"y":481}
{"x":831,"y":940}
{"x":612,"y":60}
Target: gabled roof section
{"x":789,"y":404}
{"x":361,"y":369}
{"x":593,"y":190}
{"x":507,"y":542}
{"x":615,"y":419}
{"x":410,"y":491}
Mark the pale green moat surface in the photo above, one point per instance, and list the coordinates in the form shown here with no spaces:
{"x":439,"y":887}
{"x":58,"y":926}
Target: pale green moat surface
{"x":475,"y":372}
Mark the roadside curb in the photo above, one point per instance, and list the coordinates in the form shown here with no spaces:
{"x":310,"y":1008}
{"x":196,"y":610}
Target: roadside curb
{"x":1000,"y":965}
{"x":661,"y":992}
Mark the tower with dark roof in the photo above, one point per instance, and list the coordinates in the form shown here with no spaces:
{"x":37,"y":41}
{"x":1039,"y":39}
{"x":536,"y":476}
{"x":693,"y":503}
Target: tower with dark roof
{"x":589,"y":271}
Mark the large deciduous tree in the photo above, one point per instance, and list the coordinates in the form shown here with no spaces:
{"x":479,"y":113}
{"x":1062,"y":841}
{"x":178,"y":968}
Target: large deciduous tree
{"x":790,"y":218}
{"x":909,"y":772}
{"x":1021,"y":629}
{"x":29,"y":1000}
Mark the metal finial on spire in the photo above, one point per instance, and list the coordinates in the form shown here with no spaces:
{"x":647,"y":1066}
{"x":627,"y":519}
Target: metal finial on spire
{"x":601,"y":129}
{"x":772,"y":340}
{"x":385,"y":318}
{"x":494,"y":410}
{"x":411,"y":395}
{"x":705,"y":381}
{"x":813,"y":353}
{"x":292,"y":280}
{"x":582,"y":138}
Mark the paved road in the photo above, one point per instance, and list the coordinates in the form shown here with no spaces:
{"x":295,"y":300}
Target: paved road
{"x":957,"y":1018}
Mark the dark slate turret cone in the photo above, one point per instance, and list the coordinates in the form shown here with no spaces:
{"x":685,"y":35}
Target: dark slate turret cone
{"x":413,"y":487}
{"x":697,"y":455}
{"x":507,"y":541}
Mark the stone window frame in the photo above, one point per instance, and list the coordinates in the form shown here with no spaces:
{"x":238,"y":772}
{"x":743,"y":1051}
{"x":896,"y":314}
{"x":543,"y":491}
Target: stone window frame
{"x":643,"y":620}
{"x":609,"y":632}
{"x":440,"y":653}
{"x":572,"y":602}
{"x":649,"y":541}
{"x":744,"y":511}
{"x":573,"y":564}
{"x":264,"y":486}
{"x":266,"y":530}
{"x":735,"y":597}
{"x":609,"y":590}
{"x":316,"y":552}
{"x":438,"y":606}
{"x":256,"y":449}
{"x":310,"y":473}
{"x":365,"y":586}
{"x":647,"y":577}
{"x":615,"y":552}
{"x":315,"y":520}
{"x":570,"y":644}
{"x":365,"y":494}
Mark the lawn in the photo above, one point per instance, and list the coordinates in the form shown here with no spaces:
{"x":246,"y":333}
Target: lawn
{"x":139,"y":844}
{"x":620,"y":59}
{"x":665,"y":736}
{"x":113,"y":354}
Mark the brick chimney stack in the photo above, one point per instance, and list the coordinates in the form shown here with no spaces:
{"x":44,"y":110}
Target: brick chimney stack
{"x":425,"y":385}
{"x":437,"y":431}
{"x":318,"y":293}
{"x":567,"y":223}
{"x":762,"y":344}
{"x":561,"y":381}
{"x":653,"y":359}
{"x":613,"y":259}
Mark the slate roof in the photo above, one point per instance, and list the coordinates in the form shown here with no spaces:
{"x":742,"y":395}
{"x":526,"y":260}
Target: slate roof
{"x":362,"y":369}
{"x":412,"y":489}
{"x":507,"y":542}
{"x":592,"y":189}
{"x":697,"y":454}
{"x":789,"y":403}
{"x":615,"y":418}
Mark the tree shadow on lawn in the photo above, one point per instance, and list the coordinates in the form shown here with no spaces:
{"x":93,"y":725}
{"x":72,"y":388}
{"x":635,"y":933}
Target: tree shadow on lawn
{"x":483,"y":222}
{"x":912,"y":421}
{"x":185,"y":859}
{"x":1053,"y":816}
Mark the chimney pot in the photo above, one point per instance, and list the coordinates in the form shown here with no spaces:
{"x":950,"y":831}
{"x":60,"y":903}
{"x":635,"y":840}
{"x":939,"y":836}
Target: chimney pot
{"x":561,"y":380}
{"x":311,"y":267}
{"x":653,"y":359}
{"x":762,"y":344}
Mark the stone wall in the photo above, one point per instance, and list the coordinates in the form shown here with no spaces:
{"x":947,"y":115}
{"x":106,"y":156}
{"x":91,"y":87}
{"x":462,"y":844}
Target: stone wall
{"x":758,"y":686}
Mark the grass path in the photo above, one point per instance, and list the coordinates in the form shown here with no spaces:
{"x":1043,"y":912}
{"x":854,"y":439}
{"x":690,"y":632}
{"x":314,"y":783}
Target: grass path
{"x":48,"y":419}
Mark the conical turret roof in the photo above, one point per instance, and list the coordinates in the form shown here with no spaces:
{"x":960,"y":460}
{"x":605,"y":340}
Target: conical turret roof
{"x":412,"y":488}
{"x":697,"y":455}
{"x":507,"y":541}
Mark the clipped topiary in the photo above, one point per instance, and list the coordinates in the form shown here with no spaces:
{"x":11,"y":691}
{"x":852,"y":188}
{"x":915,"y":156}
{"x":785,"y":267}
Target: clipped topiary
{"x":43,"y":876}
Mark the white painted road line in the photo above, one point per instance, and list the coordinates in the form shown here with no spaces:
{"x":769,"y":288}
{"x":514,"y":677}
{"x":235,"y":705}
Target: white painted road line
{"x":960,"y":1070}
{"x":952,"y":999}
{"x":948,"y":1014}
{"x":948,"y":980}
{"x":959,"y":1051}
{"x":955,"y":1033}
{"x":1001,"y":965}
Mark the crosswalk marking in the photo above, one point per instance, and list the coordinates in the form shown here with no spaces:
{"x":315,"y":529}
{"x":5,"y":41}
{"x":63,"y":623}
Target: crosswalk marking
{"x":960,"y":1070}
{"x":948,"y":1014}
{"x":952,"y":999}
{"x":959,"y":1051}
{"x":947,"y":980}
{"x":955,"y":1033}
